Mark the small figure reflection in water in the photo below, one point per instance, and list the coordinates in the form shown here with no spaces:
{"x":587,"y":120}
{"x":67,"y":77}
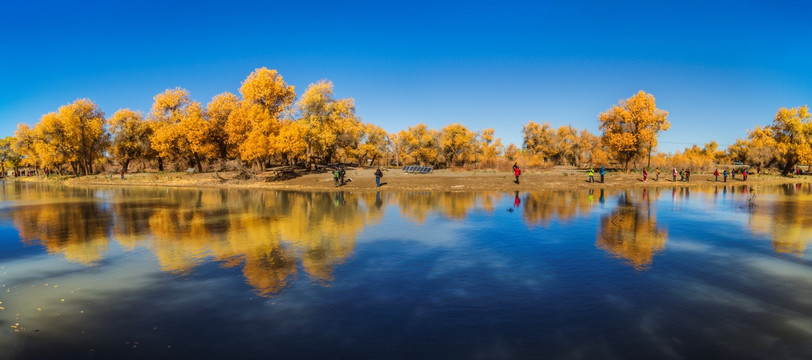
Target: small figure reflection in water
{"x":516,"y":201}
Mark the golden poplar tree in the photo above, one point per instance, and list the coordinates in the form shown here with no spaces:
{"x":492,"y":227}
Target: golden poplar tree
{"x":419,"y":145}
{"x":253,"y":127}
{"x":630,"y":128}
{"x":180,"y":130}
{"x":375,"y":144}
{"x":490,"y":147}
{"x":539,"y":141}
{"x":7,"y":155}
{"x":130,"y":133}
{"x":457,"y":144}
{"x":217,"y":113}
{"x":84,"y":122}
{"x":54,"y":144}
{"x":792,"y":130}
{"x":331,"y":123}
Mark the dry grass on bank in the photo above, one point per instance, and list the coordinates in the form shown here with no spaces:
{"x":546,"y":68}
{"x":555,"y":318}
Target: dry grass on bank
{"x":363,"y":179}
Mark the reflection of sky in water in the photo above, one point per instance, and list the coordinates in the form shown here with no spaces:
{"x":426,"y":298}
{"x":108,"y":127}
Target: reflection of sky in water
{"x":410,"y":276}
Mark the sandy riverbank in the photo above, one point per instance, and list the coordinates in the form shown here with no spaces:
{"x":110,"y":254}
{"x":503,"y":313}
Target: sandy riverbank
{"x":396,"y":180}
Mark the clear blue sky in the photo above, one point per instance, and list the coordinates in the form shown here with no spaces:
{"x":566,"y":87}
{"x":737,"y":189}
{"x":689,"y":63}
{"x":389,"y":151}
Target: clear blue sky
{"x":718,"y":68}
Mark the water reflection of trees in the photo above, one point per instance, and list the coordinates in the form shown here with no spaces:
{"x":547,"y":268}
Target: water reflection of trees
{"x":416,"y":206}
{"x":630,"y":232}
{"x":541,"y":207}
{"x":267,"y":233}
{"x":786,"y":220}
{"x":271,"y":235}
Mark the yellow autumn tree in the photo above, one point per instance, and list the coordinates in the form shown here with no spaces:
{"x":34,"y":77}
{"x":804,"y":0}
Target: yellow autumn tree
{"x":331,"y":123}
{"x":255,"y":124}
{"x":180,"y":130}
{"x":566,"y":145}
{"x":419,"y":145}
{"x":591,"y":150}
{"x":130,"y":133}
{"x":490,"y":147}
{"x":375,"y":144}
{"x":792,"y":131}
{"x":738,"y":150}
{"x":53,"y":143}
{"x":457,"y":144}
{"x":84,"y":122}
{"x":290,"y":144}
{"x":539,"y":141}
{"x":8,"y":157}
{"x":511,"y":152}
{"x":630,"y":129}
{"x":217,"y":114}
{"x":23,"y":145}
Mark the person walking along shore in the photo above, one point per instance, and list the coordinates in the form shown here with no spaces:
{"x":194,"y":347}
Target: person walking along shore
{"x":517,"y":171}
{"x":378,"y":176}
{"x":603,"y":172}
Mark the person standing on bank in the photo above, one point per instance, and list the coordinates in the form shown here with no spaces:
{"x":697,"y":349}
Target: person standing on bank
{"x":591,"y":175}
{"x":378,"y":176}
{"x":517,"y":172}
{"x":674,"y":175}
{"x":603,"y":172}
{"x":645,"y":174}
{"x":688,"y":175}
{"x":716,"y":174}
{"x":658,"y":175}
{"x":341,"y":173}
{"x":724,"y":175}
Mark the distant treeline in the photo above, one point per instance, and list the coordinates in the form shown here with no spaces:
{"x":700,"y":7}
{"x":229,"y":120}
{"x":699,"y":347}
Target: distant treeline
{"x":265,"y":125}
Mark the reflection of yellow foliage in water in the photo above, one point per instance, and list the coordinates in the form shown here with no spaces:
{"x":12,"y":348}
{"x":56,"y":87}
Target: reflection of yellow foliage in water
{"x":265,"y":232}
{"x":416,"y":206}
{"x":541,"y":207}
{"x":64,"y":224}
{"x":786,"y":220}
{"x":268,"y":268}
{"x":631,"y":233}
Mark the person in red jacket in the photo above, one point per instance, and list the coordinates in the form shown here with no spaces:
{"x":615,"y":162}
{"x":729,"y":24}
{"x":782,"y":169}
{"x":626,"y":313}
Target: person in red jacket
{"x":517,"y":172}
{"x":716,"y":174}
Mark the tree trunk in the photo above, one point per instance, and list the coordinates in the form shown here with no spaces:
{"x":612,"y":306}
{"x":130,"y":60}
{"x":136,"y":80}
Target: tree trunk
{"x":126,"y":164}
{"x":788,"y":167}
{"x":160,"y":164}
{"x":197,"y":162}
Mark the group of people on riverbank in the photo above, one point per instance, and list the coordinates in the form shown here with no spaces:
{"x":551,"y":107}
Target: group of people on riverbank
{"x":602,"y":172}
{"x":340,"y":172}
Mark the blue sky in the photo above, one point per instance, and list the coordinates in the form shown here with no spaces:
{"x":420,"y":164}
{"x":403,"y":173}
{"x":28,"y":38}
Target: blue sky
{"x":718,"y":68}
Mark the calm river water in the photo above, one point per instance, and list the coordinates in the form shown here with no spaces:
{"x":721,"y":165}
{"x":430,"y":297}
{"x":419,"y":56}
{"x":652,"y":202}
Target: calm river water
{"x":111,"y":273}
